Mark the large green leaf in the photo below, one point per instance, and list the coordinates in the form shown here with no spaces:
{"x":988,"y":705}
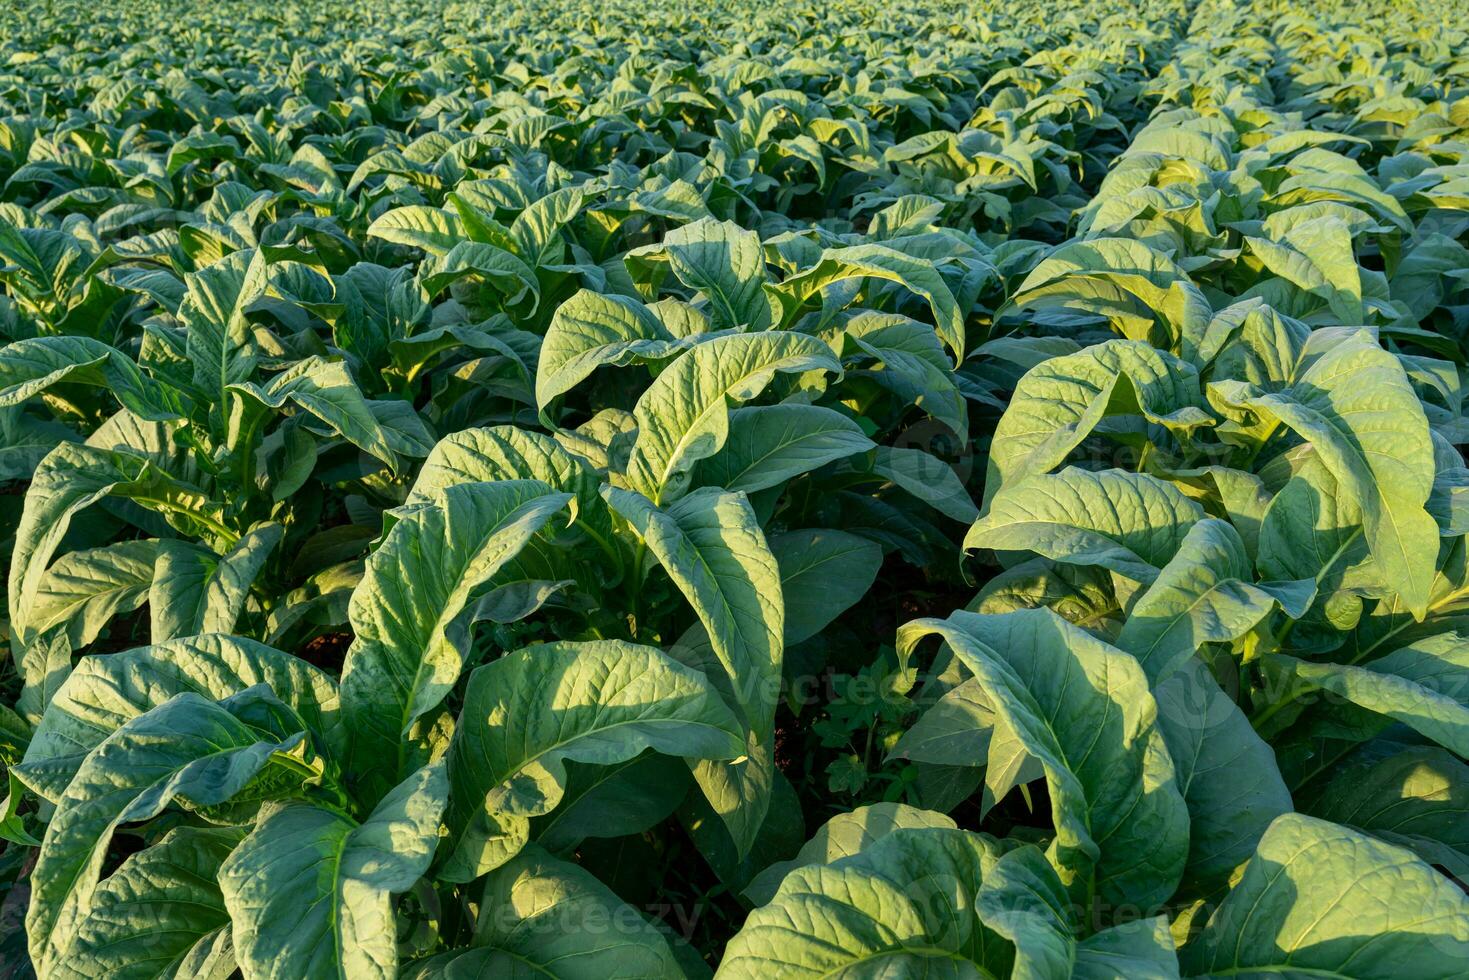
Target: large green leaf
{"x":503,"y":268}
{"x":1130,"y":523}
{"x":71,"y":478}
{"x":1226,"y":772}
{"x":84,"y":589}
{"x":105,"y":692}
{"x":1312,"y":528}
{"x":913,"y":364}
{"x":683,"y":417}
{"x":592,"y":330}
{"x":506,"y":452}
{"x":1424,"y":685}
{"x":1134,"y":286}
{"x":769,"y":444}
{"x":1355,"y":405}
{"x":432,"y":229}
{"x":842,"y":836}
{"x":927,"y":478}
{"x":548,"y":918}
{"x":1317,"y":256}
{"x":220,"y":342}
{"x":324,"y":390}
{"x":904,"y":906}
{"x":160,"y":914}
{"x":823,"y":573}
{"x":308,"y":891}
{"x":878,"y":261}
{"x":25,"y":440}
{"x":613,"y":800}
{"x":1205,"y":594}
{"x":724,"y":262}
{"x":535,"y":229}
{"x":407,"y":614}
{"x":529,"y":713}
{"x":379,"y":306}
{"x":1023,"y":899}
{"x":962,"y":730}
{"x":712,"y":547}
{"x":1251,"y":341}
{"x":1060,"y":401}
{"x":196,"y":591}
{"x":1318,"y":900}
{"x":30,"y":367}
{"x":186,"y":747}
{"x":1411,"y":795}
{"x":1083,"y":710}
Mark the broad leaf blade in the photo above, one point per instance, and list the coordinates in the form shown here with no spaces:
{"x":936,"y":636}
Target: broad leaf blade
{"x":683,"y":417}
{"x":1083,"y":710}
{"x":308,"y":890}
{"x":408,"y":646}
{"x":529,"y":713}
{"x":1321,"y":900}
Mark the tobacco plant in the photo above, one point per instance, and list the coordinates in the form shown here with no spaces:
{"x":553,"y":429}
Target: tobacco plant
{"x":619,"y":490}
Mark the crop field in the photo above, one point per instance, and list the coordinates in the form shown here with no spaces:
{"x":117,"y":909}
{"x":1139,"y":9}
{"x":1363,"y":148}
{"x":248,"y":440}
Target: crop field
{"x":630,"y":489}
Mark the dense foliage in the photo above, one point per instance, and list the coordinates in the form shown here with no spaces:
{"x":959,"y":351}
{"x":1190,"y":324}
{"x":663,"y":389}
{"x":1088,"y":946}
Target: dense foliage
{"x":598,"y":490}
